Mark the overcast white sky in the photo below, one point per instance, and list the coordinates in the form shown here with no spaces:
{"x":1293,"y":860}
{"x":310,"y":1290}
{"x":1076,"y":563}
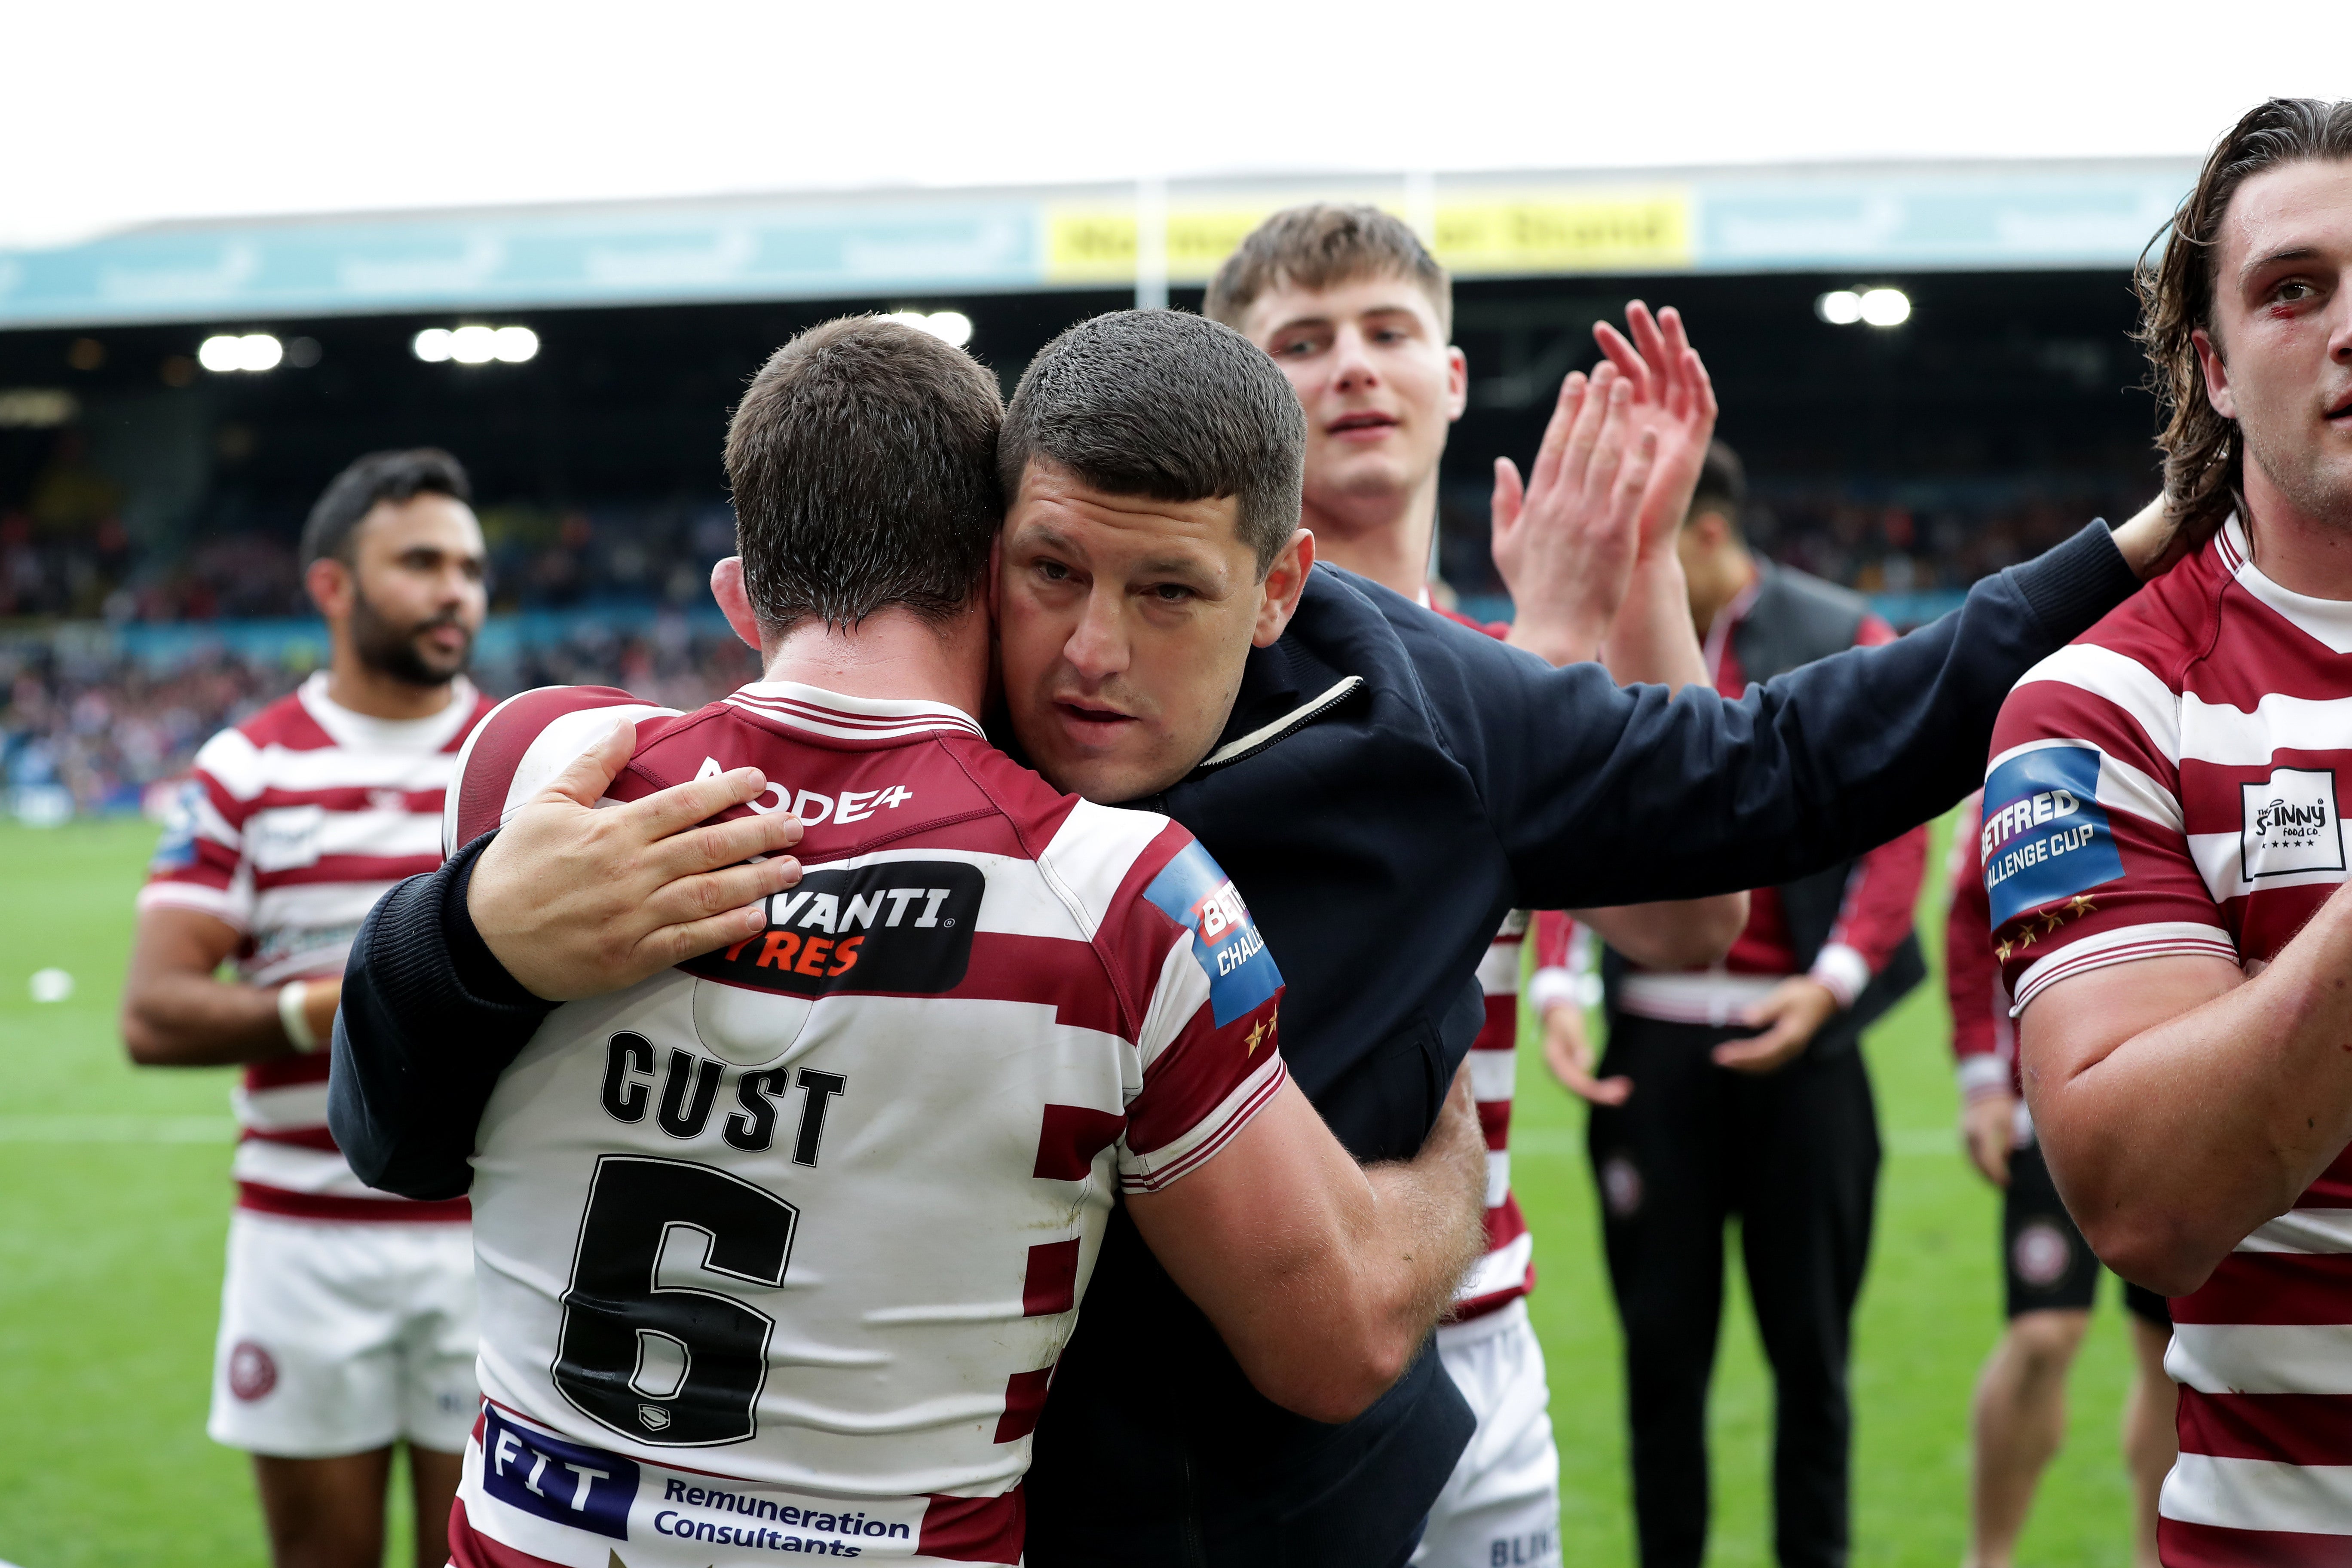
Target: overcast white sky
{"x":115,"y":113}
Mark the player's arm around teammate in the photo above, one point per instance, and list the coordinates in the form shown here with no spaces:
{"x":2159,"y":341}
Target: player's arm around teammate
{"x":347,"y":1316}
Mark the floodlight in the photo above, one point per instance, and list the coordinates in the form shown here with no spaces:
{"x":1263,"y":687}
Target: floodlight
{"x":254,"y":351}
{"x":950,"y":327}
{"x":514,"y":344}
{"x":432,"y":345}
{"x":1886,"y":306}
{"x":1839,"y":307}
{"x":473,"y":345}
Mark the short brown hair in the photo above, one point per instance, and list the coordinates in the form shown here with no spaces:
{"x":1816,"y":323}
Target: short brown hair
{"x":2204,"y":458}
{"x":862,"y":462}
{"x":1319,"y":244}
{"x":1165,"y":405}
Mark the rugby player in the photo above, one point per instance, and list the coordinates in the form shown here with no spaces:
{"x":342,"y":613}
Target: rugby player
{"x":2018,"y":1418}
{"x":2163,"y":852}
{"x":1382,"y":785}
{"x":1359,"y":317}
{"x":347,"y":1315}
{"x":897,"y":1116}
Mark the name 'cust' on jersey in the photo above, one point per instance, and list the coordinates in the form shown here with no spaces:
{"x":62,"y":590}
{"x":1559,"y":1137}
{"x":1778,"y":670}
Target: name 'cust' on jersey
{"x":778,"y":1250}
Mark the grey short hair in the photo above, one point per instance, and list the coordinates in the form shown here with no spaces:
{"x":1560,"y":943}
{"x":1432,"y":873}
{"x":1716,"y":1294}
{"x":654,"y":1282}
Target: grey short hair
{"x":1166,"y":405}
{"x":862,"y":462}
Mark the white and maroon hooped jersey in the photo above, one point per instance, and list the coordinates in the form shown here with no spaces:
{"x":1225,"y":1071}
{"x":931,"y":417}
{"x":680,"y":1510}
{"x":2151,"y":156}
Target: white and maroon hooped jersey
{"x":2167,"y":784}
{"x":777,"y":1250}
{"x":1507,"y":1271}
{"x":293,"y":824}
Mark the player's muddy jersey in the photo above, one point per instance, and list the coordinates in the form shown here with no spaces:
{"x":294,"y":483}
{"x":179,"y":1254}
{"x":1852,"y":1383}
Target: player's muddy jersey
{"x":291,"y":827}
{"x":777,"y":1250}
{"x":2167,"y":786}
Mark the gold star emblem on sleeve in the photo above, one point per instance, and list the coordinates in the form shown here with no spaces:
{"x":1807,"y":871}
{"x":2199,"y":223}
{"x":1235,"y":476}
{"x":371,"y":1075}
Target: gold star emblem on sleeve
{"x":2052,"y":920}
{"x":2001,"y":949}
{"x":1256,"y":1034}
{"x":2024,"y":940}
{"x":2080,"y":904}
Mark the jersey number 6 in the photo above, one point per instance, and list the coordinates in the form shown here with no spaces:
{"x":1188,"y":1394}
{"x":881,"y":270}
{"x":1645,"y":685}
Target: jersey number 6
{"x":669,"y":1365}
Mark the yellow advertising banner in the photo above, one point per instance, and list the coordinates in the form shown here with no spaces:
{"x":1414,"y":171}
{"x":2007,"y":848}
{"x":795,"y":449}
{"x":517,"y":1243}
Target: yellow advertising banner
{"x":1605,"y":230}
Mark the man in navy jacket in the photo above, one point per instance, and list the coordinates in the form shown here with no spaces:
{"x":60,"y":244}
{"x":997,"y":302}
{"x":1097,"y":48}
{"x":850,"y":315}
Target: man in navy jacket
{"x":1382,"y":785}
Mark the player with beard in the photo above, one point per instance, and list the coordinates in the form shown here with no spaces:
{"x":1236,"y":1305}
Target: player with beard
{"x":2163,"y":851}
{"x":347,"y":1316}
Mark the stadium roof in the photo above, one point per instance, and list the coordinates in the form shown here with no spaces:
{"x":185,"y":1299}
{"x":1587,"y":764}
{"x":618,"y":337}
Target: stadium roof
{"x":1857,"y":218}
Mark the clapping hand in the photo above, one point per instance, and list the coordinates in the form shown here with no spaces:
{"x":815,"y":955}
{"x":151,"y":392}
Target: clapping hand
{"x":1673,"y":400}
{"x":1566,"y":540}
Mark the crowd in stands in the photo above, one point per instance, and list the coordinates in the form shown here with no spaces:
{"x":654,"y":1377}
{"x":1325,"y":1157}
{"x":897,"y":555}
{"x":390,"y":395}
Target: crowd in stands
{"x":88,"y":719}
{"x":86,"y":730}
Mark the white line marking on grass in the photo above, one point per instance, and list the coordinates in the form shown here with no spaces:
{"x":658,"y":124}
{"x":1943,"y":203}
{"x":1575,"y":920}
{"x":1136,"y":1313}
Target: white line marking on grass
{"x":117,"y":1130}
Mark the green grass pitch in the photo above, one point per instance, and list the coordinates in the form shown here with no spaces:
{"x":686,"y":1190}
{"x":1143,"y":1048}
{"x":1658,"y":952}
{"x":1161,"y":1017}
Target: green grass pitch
{"x":114,"y":1199}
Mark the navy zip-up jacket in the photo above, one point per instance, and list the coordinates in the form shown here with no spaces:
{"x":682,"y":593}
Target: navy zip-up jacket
{"x":1389,"y":786}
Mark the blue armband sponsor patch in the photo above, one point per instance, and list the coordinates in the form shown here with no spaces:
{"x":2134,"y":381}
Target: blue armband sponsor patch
{"x":1194,"y":891}
{"x":2046,"y":835}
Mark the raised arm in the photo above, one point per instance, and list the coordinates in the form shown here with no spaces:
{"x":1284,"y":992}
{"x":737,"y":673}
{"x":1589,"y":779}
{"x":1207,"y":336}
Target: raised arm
{"x":1605,"y":795}
{"x":1653,"y":639}
{"x":1323,"y":1276}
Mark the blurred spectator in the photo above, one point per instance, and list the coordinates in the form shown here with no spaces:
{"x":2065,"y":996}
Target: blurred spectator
{"x":104,"y":730}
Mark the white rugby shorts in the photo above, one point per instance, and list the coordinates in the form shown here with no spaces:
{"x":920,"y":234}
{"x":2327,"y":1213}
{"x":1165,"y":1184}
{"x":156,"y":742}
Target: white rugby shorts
{"x":339,"y":1338}
{"x":1500,"y":1508}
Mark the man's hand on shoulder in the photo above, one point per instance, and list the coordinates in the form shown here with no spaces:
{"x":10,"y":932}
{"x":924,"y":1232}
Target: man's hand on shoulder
{"x":576,"y":900}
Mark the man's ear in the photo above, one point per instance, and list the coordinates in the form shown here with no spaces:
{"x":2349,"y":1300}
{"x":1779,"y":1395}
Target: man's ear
{"x":331,"y":585}
{"x":726,"y":587}
{"x":2217,"y":374}
{"x":1458,"y":382}
{"x":1286,"y":580}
